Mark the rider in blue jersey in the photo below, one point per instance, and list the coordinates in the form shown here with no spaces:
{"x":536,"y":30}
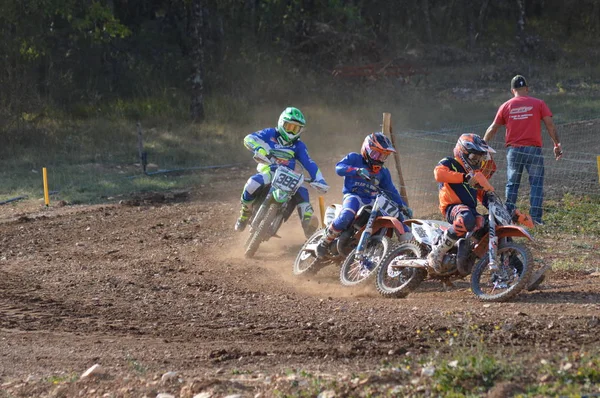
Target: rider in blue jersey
{"x":361,"y":173}
{"x":282,"y":144}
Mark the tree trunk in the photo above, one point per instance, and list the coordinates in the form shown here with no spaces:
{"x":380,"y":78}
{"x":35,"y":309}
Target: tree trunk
{"x":250,"y":8}
{"x":197,"y":54}
{"x":427,"y":20}
{"x":469,"y":23}
{"x":521,"y":26}
{"x":481,"y":18}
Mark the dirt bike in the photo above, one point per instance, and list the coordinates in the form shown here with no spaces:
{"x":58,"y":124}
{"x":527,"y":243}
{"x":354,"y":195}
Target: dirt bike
{"x":500,"y":268}
{"x":361,"y":246}
{"x":277,"y":204}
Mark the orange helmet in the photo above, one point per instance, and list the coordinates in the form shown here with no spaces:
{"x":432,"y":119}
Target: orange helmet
{"x":375,"y":150}
{"x":471,"y":151}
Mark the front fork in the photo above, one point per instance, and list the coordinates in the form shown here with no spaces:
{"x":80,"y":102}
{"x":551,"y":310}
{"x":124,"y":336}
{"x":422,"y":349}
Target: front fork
{"x":260,"y":213}
{"x":366,"y":235}
{"x":493,"y":243}
{"x":271,"y":197}
{"x":364,"y":239}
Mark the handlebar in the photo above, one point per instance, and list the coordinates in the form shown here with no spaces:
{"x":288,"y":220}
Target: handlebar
{"x":271,"y":161}
{"x":481,"y":181}
{"x":259,"y":158}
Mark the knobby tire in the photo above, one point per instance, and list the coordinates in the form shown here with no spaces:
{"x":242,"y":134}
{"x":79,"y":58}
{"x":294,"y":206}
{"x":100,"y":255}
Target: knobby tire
{"x":417,"y":276}
{"x":316,"y":263}
{"x":512,"y":291}
{"x":261,"y":233}
{"x":345,"y":269}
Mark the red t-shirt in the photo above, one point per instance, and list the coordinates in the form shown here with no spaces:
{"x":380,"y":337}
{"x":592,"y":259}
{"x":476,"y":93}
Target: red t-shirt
{"x":522,"y":116}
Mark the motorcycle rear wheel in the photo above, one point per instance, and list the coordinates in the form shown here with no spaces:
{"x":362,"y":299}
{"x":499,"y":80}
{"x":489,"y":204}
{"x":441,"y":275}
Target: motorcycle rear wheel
{"x":511,"y":277}
{"x":306,"y":262}
{"x":409,"y":278}
{"x":353,"y":272}
{"x":262,"y":232}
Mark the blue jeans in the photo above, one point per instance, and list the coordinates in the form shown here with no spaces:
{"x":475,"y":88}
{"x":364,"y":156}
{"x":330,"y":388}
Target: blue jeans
{"x":531,"y":159}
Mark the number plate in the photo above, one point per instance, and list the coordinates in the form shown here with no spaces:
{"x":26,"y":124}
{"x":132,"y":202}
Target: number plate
{"x":386,"y":206}
{"x":287,"y":180}
{"x":500,"y":213}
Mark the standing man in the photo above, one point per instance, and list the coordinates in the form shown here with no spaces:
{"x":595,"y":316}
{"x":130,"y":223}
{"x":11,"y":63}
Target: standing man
{"x":522,"y":115}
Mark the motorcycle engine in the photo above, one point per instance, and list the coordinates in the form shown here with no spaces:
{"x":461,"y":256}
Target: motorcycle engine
{"x":448,"y":262}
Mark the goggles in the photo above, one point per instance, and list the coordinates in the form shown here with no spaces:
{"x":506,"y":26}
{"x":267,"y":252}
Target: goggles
{"x":475,"y":159}
{"x":292,"y":128}
{"x":378,"y":155}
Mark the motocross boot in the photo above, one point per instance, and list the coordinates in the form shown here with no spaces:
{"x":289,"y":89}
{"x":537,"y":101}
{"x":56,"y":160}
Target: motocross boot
{"x":343,"y":241}
{"x":323,"y":246}
{"x":309,"y":224}
{"x":242,"y":221}
{"x":308,"y":227}
{"x":440,"y":249}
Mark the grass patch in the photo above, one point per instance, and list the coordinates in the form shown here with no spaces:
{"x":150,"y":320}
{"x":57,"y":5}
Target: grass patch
{"x":90,"y":161}
{"x":575,"y":215}
{"x":62,"y":378}
{"x":135,"y":365}
{"x":90,"y":184}
{"x":471,"y":374}
{"x":570,"y":236}
{"x":461,"y":364}
{"x":458,"y":373}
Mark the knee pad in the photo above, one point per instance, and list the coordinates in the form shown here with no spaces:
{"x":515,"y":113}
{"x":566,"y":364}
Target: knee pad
{"x":463,"y":223}
{"x":303,"y":194}
{"x":252,"y":187}
{"x":344,"y":219}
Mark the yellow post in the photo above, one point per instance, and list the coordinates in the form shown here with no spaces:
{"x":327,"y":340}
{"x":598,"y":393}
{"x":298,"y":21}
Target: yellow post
{"x":598,"y":160}
{"x":322,"y":211}
{"x":46,"y":195}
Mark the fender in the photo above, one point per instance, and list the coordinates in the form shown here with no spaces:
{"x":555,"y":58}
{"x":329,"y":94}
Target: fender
{"x":388,"y":222}
{"x":502,"y":232}
{"x":280,"y":196}
{"x":443,"y":225}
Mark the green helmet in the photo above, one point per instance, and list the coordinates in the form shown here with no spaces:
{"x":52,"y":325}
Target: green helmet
{"x":290,"y":126}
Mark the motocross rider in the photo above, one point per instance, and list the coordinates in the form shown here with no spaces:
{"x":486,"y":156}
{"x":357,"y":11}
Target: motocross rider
{"x":361,"y":173}
{"x":462,"y":180}
{"x":281,"y":144}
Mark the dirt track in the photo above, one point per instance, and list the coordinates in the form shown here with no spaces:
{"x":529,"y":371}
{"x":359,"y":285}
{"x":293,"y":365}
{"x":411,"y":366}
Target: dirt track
{"x":152,"y":286}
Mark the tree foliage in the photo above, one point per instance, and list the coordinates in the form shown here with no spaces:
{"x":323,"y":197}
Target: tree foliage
{"x":76,"y":54}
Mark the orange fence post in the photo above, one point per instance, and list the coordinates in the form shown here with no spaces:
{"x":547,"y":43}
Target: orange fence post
{"x":46,"y":194}
{"x":322,"y":211}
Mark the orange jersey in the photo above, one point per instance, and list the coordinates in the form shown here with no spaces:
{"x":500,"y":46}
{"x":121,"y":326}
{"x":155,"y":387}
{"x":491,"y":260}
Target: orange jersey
{"x":450,"y":174}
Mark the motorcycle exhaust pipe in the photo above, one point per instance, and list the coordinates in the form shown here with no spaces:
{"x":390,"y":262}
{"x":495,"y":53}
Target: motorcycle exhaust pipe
{"x":412,"y":263}
{"x":312,"y":247}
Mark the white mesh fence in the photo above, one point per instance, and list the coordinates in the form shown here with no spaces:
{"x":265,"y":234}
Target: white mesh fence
{"x":576,"y":173}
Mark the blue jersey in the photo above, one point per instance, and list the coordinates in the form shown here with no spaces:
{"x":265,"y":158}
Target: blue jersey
{"x":353,"y":184}
{"x":285,"y":154}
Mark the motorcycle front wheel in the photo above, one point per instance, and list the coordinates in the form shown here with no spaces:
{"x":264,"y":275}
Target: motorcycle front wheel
{"x":306,"y":262}
{"x":515,"y":264}
{"x":398,"y":282}
{"x":262,"y":232}
{"x":357,"y":270}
